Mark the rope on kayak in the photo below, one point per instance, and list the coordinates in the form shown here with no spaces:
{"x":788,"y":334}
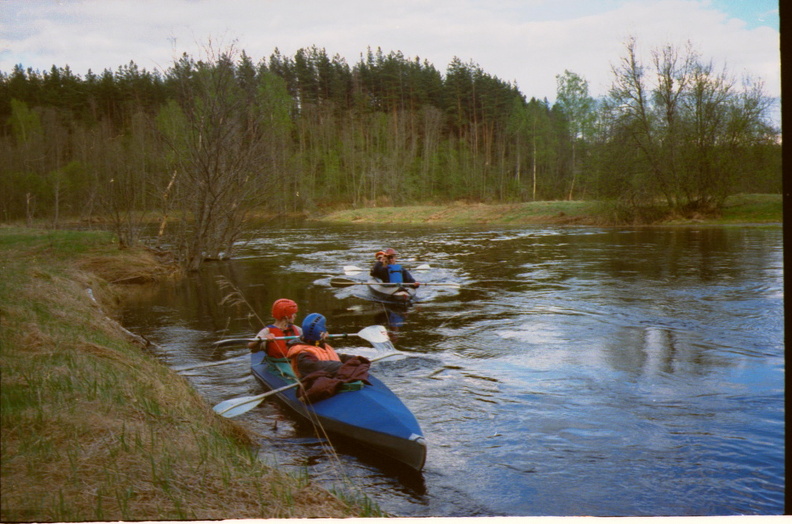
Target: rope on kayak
{"x":327,"y":445}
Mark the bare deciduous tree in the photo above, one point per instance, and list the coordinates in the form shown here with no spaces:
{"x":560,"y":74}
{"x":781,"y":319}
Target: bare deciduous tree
{"x":221,"y":153}
{"x":686,"y":126}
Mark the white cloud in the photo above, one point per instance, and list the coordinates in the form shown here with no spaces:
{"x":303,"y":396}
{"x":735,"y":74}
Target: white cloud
{"x":527,"y":41}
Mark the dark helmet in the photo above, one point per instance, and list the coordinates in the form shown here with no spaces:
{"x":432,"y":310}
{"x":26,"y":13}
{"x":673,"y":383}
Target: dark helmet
{"x":283,"y":307}
{"x":313,"y":326}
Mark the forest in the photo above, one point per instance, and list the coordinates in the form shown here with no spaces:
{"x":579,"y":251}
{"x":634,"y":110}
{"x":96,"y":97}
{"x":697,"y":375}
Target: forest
{"x":213,"y":139}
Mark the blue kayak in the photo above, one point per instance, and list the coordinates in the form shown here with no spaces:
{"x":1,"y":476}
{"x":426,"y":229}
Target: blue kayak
{"x":371,"y":415}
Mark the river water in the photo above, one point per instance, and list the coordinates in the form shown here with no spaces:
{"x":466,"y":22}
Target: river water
{"x":575,"y":371}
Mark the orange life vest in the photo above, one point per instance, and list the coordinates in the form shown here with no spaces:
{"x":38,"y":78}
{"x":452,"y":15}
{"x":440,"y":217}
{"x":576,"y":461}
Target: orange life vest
{"x":278,"y":348}
{"x":325,"y":352}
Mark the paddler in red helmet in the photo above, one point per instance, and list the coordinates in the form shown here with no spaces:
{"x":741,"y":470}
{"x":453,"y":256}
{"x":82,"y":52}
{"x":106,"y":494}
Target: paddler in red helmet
{"x":284,"y":312}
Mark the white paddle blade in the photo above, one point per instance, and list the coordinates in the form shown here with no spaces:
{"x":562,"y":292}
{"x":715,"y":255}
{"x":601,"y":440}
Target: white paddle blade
{"x":237,"y":406}
{"x":384,"y":346}
{"x":374,"y":334}
{"x":352,"y":270}
{"x":378,"y":337}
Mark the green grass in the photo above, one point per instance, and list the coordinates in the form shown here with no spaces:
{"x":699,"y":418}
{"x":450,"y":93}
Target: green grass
{"x":462,"y":213}
{"x":95,"y":428}
{"x":747,"y":209}
{"x":60,"y":243}
{"x":753,"y":209}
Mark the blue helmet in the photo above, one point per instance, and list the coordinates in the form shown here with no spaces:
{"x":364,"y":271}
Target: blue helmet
{"x":313,"y":326}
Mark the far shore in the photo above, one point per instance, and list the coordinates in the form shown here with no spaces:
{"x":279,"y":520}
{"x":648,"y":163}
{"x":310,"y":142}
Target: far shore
{"x":739,"y":209}
{"x":742,"y":210}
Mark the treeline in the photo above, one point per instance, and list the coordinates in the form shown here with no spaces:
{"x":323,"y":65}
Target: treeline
{"x":213,"y":138}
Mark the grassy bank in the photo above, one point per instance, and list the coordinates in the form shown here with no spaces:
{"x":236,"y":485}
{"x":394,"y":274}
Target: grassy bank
{"x":740,"y":209}
{"x":93,"y":426}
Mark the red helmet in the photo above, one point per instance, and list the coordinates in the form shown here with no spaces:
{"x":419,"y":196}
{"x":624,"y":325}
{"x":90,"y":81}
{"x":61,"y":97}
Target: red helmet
{"x":283,"y":307}
{"x":390,"y":252}
{"x":378,"y":254}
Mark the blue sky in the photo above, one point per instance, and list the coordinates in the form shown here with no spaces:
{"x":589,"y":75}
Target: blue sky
{"x":754,"y":13}
{"x":525,"y":41}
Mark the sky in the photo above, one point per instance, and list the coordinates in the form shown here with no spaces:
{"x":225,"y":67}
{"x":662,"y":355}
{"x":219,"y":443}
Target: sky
{"x":527,"y":42}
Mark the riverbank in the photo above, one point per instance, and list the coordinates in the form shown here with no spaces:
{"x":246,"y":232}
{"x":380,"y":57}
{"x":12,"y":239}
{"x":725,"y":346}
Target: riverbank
{"x":94,"y":427}
{"x":739,"y":209}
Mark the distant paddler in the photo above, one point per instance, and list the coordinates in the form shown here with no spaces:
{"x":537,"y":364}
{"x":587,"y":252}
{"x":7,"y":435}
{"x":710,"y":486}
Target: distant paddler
{"x":386,"y":269}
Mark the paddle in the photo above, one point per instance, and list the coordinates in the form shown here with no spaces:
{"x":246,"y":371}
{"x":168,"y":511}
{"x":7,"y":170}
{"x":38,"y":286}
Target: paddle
{"x":345,"y":282}
{"x":354,"y":270}
{"x":372,"y":334}
{"x":377,"y":335}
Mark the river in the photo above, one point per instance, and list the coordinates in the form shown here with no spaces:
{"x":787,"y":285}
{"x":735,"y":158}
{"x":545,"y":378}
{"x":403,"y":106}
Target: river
{"x":575,"y":371}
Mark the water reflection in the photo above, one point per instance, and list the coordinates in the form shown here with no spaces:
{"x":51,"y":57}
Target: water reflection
{"x":577,"y":371}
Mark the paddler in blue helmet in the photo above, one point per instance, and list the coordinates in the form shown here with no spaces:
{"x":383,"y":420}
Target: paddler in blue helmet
{"x":388,"y":270}
{"x":311,"y":353}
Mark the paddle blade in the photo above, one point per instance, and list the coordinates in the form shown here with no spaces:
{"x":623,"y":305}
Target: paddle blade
{"x":386,"y":345}
{"x":374,"y":334}
{"x":352,"y":270}
{"x":342,"y":282}
{"x":378,"y":337}
{"x":237,"y":406}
